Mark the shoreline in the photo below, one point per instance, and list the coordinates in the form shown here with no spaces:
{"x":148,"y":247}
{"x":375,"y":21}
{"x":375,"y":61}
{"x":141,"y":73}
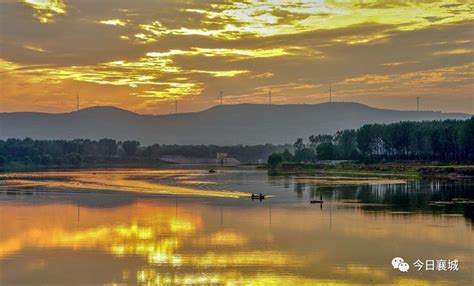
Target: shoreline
{"x":387,"y":170}
{"x":391,"y":170}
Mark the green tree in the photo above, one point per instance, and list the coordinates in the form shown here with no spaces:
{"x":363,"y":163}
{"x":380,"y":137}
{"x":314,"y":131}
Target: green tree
{"x":346,"y":143}
{"x":369,"y":139}
{"x":108,"y":147}
{"x":27,"y":160}
{"x":287,"y":156}
{"x":304,"y":155}
{"x":274,"y":160}
{"x":466,"y":138}
{"x":3,"y":160}
{"x":326,"y":151}
{"x":74,"y":159}
{"x":130,"y":147}
{"x":46,"y":159}
{"x":299,"y":145}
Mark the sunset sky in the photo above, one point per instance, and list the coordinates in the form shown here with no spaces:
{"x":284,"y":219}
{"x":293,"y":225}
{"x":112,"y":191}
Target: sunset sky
{"x":141,"y":55}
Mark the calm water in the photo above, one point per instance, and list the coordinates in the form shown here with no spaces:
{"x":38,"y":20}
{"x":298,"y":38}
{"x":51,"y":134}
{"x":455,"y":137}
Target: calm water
{"x":111,"y":228}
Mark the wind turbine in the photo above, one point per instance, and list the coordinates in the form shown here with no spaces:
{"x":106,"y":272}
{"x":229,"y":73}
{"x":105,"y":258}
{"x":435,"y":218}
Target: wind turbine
{"x":77,"y":100}
{"x":330,"y":91}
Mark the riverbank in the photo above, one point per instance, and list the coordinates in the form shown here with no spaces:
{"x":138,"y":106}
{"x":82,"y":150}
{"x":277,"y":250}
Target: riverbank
{"x":389,"y":170}
{"x":39,"y":167}
{"x":157,"y":164}
{"x":399,"y":170}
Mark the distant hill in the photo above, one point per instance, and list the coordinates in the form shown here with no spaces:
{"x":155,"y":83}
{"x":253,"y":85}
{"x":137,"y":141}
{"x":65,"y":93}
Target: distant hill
{"x":220,"y":125}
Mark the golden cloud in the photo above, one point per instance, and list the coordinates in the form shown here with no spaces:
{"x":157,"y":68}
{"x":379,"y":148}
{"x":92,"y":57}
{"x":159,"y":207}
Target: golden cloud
{"x":156,"y":73}
{"x":146,"y":70}
{"x":236,"y":54}
{"x":263,"y":18}
{"x":46,"y":10}
{"x":113,"y":22}
{"x":454,"y":52}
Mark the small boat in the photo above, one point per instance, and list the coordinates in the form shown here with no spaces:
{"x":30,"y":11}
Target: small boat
{"x":212,"y":171}
{"x":257,"y":196}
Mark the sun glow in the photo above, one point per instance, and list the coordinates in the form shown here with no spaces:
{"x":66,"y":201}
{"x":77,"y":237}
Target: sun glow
{"x":157,"y":73}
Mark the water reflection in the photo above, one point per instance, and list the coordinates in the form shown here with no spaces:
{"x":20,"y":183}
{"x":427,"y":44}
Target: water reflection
{"x":161,"y":234}
{"x":435,"y":197}
{"x":66,"y":238}
{"x":158,"y":182}
{"x":426,"y":196}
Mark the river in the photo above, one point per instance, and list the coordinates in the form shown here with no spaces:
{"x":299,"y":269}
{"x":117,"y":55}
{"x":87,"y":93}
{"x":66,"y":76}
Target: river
{"x":189,"y":226}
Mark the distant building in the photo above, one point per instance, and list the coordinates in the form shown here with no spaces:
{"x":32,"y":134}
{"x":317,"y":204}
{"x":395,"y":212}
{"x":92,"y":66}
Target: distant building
{"x":120,"y":151}
{"x":221,"y":157}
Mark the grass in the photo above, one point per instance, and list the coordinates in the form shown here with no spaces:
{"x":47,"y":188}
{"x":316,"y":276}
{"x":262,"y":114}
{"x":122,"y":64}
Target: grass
{"x":348,"y":172}
{"x":356,"y":170}
{"x":399,"y":170}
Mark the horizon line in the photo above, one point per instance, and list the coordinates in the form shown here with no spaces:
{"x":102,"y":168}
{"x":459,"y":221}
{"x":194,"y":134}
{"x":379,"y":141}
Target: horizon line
{"x":237,"y":104}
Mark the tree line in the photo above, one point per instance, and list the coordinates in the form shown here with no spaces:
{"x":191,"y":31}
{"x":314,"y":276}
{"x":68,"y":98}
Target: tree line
{"x":448,"y":140}
{"x":29,"y":152}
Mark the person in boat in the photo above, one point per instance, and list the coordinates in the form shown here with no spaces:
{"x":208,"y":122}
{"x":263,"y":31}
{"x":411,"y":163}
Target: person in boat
{"x":257,"y":196}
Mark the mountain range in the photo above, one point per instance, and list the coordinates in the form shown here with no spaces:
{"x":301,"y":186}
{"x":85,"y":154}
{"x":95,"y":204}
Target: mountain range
{"x":220,"y":125}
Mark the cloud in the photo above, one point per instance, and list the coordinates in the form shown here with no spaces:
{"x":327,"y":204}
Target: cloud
{"x":114,"y":22}
{"x":394,"y":64}
{"x":236,"y":54}
{"x":157,"y":71}
{"x":35,"y":49}
{"x":46,"y":10}
{"x":454,"y":52}
{"x":140,"y":54}
{"x":148,"y":70}
{"x":428,"y":81}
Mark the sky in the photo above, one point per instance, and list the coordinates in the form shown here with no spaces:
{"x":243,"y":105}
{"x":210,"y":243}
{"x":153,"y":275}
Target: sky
{"x":142,"y":55}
